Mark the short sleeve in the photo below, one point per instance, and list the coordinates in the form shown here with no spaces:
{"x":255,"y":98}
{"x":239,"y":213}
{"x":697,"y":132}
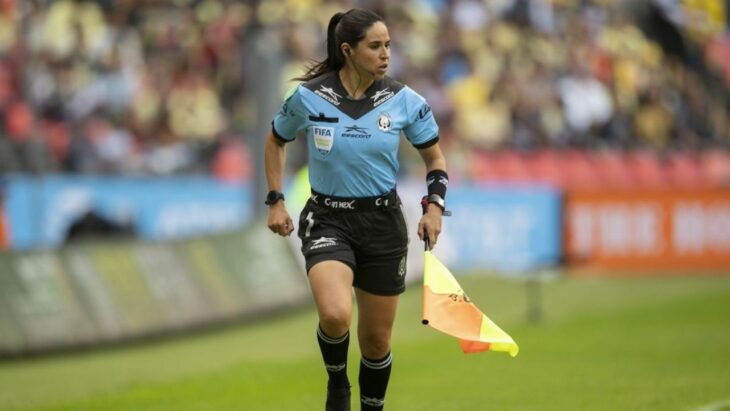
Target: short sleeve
{"x":421,"y":129}
{"x":291,"y":118}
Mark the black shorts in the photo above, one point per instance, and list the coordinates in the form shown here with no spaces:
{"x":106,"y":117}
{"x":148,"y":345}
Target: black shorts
{"x":368,"y":234}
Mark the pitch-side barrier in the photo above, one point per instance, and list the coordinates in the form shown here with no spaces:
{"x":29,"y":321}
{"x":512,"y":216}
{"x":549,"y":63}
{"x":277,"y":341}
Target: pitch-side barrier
{"x":105,"y":292}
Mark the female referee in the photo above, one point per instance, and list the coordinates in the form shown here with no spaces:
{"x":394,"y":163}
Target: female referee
{"x":352,"y":228}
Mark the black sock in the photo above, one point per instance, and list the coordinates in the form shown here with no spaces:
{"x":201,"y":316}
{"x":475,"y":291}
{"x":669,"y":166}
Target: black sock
{"x":334,"y":354}
{"x":374,"y":376}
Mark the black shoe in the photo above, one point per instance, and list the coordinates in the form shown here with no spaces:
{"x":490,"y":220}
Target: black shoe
{"x":338,"y":399}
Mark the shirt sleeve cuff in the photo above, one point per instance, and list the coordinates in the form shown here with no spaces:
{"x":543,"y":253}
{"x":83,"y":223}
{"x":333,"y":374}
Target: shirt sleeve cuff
{"x":279,"y":136}
{"x":427,"y":144}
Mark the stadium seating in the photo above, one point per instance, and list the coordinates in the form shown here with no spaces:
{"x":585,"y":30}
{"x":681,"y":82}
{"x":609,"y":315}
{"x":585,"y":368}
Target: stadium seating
{"x":578,"y":169}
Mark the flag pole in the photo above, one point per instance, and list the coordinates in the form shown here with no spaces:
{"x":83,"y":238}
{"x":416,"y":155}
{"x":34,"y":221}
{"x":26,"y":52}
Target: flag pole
{"x":426,"y":248}
{"x":426,"y":242}
{"x":533,"y":293}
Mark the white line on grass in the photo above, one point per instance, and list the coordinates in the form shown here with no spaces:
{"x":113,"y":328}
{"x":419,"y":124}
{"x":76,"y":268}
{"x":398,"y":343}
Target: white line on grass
{"x":717,"y":406}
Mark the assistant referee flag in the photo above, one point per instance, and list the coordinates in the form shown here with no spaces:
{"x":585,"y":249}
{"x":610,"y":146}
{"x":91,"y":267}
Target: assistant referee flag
{"x":447,"y":309}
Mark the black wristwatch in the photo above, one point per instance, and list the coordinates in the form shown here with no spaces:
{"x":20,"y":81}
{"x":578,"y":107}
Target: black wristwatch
{"x":273,"y":197}
{"x":437,"y":200}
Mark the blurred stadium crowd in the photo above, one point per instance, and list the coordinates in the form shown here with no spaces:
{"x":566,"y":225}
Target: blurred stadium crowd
{"x":161,"y":87}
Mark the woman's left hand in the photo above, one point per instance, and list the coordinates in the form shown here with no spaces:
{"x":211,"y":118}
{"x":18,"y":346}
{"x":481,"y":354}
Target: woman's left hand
{"x":430,"y":225}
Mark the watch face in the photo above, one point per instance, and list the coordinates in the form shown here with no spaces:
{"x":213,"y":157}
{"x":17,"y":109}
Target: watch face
{"x":273,"y":196}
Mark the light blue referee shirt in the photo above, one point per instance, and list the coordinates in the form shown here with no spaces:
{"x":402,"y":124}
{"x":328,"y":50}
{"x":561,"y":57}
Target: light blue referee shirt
{"x":353,"y":144}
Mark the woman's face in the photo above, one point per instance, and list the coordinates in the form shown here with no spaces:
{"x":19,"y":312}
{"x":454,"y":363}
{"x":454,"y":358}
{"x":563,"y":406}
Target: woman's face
{"x":372,"y":54}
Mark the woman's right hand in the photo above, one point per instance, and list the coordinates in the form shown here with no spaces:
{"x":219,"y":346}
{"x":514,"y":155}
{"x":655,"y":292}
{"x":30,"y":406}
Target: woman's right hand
{"x":279,"y":221}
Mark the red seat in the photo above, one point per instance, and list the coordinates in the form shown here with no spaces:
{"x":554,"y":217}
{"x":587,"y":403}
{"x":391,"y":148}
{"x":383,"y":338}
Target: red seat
{"x":482,"y":167}
{"x":716,"y":167}
{"x":232,"y":162}
{"x":545,"y":166}
{"x":579,"y":171}
{"x":614,"y":168}
{"x":513,"y":166}
{"x":647,"y":169}
{"x":684,"y":170}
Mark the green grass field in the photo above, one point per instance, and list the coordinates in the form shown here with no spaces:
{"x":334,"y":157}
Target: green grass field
{"x":603,"y":344}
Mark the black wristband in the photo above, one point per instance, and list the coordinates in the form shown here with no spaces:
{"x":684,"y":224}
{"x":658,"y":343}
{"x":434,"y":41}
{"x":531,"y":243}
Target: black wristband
{"x":273,"y":197}
{"x":437,"y":181}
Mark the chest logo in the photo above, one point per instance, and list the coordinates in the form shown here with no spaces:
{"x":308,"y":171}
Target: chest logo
{"x":381,"y":96}
{"x":324,"y":139}
{"x":329,"y":94}
{"x":384,"y":122}
{"x":356,"y":131}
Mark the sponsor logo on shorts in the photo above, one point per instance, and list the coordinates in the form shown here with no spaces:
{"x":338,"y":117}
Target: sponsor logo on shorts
{"x":340,"y":205}
{"x":402,"y":267}
{"x":323,"y":242}
{"x":380,"y":201}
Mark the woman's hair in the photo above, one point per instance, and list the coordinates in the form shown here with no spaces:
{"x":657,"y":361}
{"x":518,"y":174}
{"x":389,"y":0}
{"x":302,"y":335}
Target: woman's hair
{"x":350,"y":28}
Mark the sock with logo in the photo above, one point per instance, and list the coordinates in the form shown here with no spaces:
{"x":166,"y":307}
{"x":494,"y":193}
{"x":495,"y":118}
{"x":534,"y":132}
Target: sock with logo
{"x":334,"y":354}
{"x":374,"y":377}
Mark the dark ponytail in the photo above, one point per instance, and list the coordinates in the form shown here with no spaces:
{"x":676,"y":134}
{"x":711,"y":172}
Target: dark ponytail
{"x":350,"y":28}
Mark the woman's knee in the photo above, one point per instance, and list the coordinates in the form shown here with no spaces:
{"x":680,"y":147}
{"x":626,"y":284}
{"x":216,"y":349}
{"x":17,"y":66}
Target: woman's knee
{"x":334,"y":323}
{"x":374,"y":344}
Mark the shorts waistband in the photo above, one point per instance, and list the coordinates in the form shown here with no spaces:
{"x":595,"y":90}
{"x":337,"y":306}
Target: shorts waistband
{"x":344,"y":204}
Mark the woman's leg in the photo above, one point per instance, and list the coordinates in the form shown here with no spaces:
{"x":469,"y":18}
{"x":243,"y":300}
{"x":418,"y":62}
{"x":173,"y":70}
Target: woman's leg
{"x":376,"y":314}
{"x":331,"y":283}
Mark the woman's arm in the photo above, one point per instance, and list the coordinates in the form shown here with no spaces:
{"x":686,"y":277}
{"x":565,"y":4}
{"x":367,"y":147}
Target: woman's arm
{"x":430,"y":223}
{"x":274,"y":160}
